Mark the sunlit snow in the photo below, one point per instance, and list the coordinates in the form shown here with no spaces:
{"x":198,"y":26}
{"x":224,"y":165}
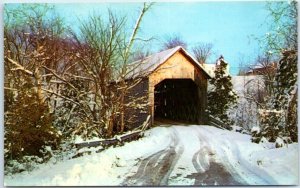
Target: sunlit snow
{"x":250,"y":163}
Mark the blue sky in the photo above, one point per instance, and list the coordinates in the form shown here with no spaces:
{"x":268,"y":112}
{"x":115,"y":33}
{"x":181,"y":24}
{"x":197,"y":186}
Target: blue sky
{"x":229,"y":26}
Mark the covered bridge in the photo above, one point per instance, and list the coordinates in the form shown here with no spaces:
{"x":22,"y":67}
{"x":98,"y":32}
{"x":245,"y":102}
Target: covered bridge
{"x":174,"y":85}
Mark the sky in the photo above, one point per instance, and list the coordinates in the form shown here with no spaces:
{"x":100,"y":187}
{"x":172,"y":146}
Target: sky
{"x":230,"y":26}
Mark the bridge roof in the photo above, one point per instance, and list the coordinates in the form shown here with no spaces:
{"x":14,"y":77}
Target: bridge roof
{"x":144,"y":67}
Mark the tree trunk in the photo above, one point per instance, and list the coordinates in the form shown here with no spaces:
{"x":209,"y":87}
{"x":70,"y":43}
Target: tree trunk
{"x":38,"y":83}
{"x":122,"y":113}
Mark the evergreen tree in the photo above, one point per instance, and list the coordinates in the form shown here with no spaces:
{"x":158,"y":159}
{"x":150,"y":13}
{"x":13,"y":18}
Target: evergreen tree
{"x":222,"y":96}
{"x":28,"y":126}
{"x":285,"y":95}
{"x":282,"y":122}
{"x":278,"y":119}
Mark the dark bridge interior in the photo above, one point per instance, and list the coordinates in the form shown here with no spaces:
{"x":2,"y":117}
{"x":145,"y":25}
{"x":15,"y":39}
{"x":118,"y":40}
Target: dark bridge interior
{"x":176,"y":99}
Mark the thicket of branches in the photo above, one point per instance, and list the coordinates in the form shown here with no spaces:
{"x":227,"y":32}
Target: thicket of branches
{"x":60,"y":84}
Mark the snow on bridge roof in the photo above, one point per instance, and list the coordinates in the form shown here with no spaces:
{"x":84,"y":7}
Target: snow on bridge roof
{"x":144,"y":67}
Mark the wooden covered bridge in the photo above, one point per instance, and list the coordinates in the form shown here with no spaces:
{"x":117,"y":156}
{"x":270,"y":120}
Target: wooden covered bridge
{"x":174,"y":85}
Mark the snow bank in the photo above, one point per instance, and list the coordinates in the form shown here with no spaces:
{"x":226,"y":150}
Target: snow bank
{"x":105,"y":168}
{"x":280,"y":163}
{"x":257,"y":164}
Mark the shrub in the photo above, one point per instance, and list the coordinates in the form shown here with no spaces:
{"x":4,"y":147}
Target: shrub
{"x":28,"y":127}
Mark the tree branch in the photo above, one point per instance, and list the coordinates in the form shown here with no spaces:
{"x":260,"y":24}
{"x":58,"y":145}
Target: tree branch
{"x":19,"y":67}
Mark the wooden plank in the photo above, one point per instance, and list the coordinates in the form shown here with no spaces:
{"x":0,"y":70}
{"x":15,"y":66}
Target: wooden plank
{"x":217,"y":123}
{"x":110,"y":142}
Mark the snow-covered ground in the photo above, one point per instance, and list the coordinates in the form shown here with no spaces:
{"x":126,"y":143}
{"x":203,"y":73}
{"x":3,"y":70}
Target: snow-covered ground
{"x":182,"y":155}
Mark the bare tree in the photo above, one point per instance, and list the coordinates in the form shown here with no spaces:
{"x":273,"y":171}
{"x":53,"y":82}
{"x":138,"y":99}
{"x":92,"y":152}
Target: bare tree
{"x":140,"y":55}
{"x":202,"y":51}
{"x":266,"y":67}
{"x":29,"y":47}
{"x":79,"y":85}
{"x":83,"y":81}
{"x":243,"y":65}
{"x":103,"y":56}
{"x":173,"y":41}
{"x":282,"y":22}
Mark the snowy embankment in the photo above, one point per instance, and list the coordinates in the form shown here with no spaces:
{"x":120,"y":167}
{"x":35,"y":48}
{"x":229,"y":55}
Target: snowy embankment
{"x":196,"y":148}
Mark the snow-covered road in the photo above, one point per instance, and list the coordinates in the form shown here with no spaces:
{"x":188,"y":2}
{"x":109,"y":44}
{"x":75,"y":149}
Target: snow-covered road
{"x":175,"y":155}
{"x":156,"y":169}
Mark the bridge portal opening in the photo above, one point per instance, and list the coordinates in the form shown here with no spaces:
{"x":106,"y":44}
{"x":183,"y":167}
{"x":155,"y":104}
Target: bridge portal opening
{"x":176,"y":99}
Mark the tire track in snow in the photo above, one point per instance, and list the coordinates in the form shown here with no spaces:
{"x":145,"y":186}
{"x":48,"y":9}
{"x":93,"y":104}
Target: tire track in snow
{"x":176,"y":137}
{"x":245,"y":165}
{"x":226,"y":162}
{"x":156,"y":169}
{"x":208,"y":171}
{"x":142,"y":170}
{"x":198,"y":157}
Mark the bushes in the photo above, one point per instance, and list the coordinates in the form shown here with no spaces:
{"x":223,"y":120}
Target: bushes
{"x":27,"y":163}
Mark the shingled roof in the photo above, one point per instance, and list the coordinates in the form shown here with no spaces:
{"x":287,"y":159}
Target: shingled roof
{"x":144,"y":67}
